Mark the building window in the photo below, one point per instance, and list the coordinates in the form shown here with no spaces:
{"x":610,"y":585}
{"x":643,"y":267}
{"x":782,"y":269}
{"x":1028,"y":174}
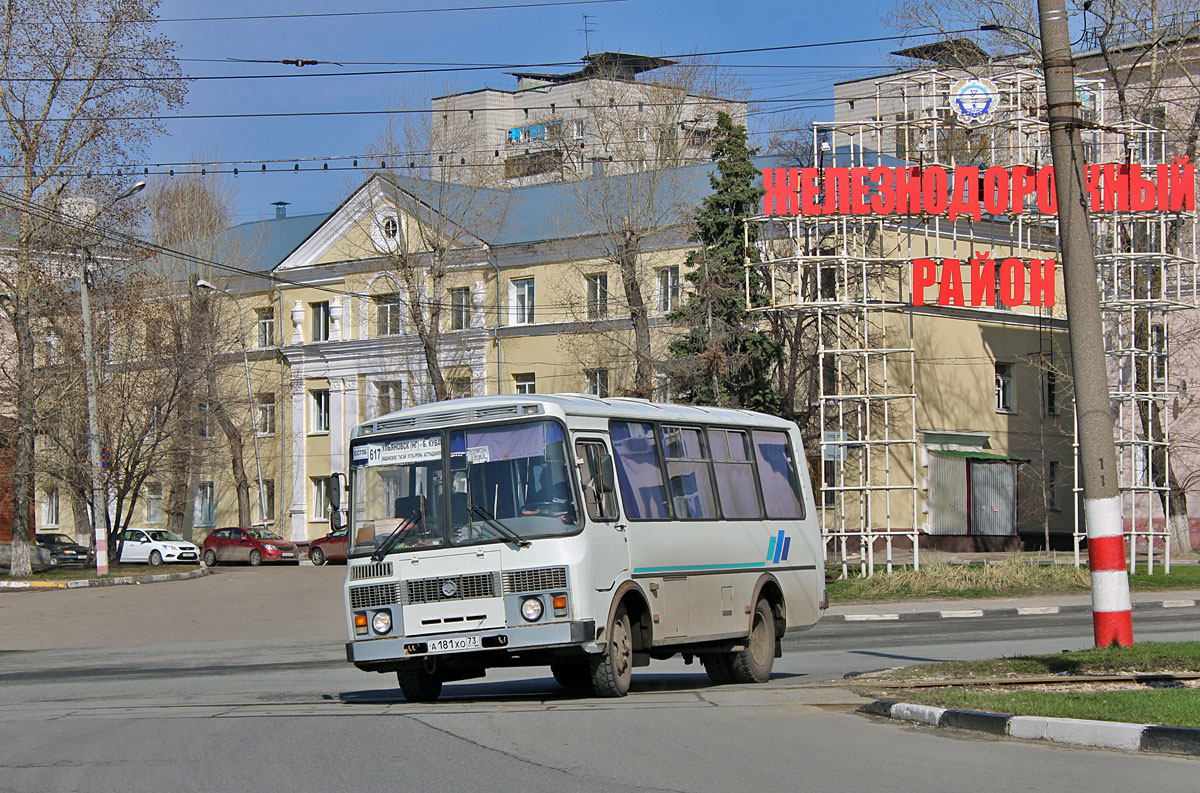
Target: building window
{"x":266,"y":327}
{"x":525,"y":383}
{"x":205,"y":504}
{"x":205,"y":420}
{"x":1051,"y":393}
{"x":597,"y":296}
{"x":522,"y":295}
{"x":264,"y":414}
{"x":320,"y":320}
{"x":267,"y":502}
{"x":389,"y":395}
{"x":459,"y":387}
{"x":320,"y":410}
{"x":668,"y":289}
{"x":1004,"y":392}
{"x":50,"y":514}
{"x":577,"y":128}
{"x":388,"y":320}
{"x":154,"y":504}
{"x":460,"y":308}
{"x":320,"y":498}
{"x":829,"y":472}
{"x":1152,"y":139}
{"x":597,"y":382}
{"x":1052,"y":470}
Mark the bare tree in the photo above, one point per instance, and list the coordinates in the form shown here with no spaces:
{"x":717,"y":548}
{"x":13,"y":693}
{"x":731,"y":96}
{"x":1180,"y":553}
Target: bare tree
{"x":74,"y":74}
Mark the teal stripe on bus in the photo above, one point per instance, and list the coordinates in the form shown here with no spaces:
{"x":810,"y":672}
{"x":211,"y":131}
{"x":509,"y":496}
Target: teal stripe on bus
{"x":680,"y":568}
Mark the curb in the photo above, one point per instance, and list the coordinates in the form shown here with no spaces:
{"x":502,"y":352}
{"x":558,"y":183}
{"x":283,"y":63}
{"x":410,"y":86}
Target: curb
{"x":83,"y":583}
{"x":1023,"y":611}
{"x":1076,"y":732}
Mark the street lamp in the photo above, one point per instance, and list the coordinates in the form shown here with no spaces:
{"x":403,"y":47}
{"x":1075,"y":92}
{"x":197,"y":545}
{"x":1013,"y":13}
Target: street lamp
{"x":99,"y":505}
{"x":262,"y":508}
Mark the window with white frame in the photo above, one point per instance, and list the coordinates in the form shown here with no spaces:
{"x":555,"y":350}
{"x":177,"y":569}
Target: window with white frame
{"x":264,"y":414}
{"x":1004,"y":388}
{"x":597,"y":382}
{"x":204,"y":420}
{"x":1158,"y":349}
{"x":388,"y":319}
{"x":577,"y":128}
{"x":320,"y":501}
{"x":50,"y":508}
{"x":389,"y":396}
{"x":668,"y":289}
{"x":320,"y":320}
{"x":597,"y":296}
{"x":320,"y":410}
{"x":522,"y":301}
{"x":267,"y":501}
{"x":266,"y":326}
{"x":525,"y":383}
{"x":459,"y":387}
{"x":154,"y":502}
{"x":205,"y":509}
{"x":460,"y":308}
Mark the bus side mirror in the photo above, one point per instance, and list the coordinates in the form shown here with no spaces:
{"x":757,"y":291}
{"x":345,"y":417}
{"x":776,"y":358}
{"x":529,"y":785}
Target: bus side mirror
{"x":336,"y":483}
{"x":335,"y":522}
{"x":607,"y":478}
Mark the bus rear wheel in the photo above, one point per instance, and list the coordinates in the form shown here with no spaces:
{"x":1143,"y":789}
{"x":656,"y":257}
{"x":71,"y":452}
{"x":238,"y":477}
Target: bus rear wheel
{"x":752,"y":664}
{"x":612,"y":670}
{"x":417,"y":685}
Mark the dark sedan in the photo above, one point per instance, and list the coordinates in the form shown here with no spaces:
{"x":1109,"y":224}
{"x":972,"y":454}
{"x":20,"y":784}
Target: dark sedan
{"x":247,"y":544}
{"x":64,"y":550}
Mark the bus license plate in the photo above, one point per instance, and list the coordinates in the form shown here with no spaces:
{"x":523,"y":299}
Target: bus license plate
{"x":453,"y":645}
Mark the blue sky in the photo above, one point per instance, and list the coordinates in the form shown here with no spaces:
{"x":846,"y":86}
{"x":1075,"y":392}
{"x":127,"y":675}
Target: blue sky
{"x":509,"y":36}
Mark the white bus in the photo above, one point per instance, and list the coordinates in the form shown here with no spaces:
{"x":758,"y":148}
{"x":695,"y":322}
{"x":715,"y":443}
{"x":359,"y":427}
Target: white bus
{"x":590,"y":535}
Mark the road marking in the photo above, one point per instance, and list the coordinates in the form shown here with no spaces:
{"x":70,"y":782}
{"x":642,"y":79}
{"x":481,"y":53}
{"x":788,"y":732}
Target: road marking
{"x":870,"y":617}
{"x":1177,"y":604}
{"x":963,"y":613}
{"x":1024,"y":610}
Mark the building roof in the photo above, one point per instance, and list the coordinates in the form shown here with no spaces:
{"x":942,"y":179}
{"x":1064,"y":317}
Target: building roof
{"x":262,"y":244}
{"x":614,"y":65}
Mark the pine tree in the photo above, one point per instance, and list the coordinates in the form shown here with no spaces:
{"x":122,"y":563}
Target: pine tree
{"x":724,"y":359}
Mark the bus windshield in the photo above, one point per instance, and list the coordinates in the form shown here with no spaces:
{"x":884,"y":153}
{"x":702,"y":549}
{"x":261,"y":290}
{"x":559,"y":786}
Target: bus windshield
{"x":503,"y":483}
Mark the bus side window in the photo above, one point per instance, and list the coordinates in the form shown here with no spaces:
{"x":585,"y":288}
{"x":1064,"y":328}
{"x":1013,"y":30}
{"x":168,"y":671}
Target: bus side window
{"x":596,"y":476}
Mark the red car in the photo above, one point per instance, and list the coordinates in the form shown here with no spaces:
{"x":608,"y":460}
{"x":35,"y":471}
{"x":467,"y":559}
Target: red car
{"x":247,"y":544}
{"x":334,"y":546}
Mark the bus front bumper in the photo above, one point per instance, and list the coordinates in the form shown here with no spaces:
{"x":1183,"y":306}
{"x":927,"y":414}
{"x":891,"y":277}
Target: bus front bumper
{"x":526,"y":637}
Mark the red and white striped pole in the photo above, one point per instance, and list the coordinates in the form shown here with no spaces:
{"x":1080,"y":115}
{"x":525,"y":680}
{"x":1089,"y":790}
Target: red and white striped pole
{"x":1112,"y":621}
{"x":1097,"y":451}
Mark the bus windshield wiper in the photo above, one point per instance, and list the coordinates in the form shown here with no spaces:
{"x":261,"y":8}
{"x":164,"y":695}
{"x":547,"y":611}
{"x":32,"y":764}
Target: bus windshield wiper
{"x":499,"y":527}
{"x":409,"y":523}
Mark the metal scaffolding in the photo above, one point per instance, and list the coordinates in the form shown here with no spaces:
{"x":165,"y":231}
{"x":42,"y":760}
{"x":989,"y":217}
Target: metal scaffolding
{"x":850,"y":273}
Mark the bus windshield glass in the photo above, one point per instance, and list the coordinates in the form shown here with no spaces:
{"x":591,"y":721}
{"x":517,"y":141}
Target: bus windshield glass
{"x":506,"y":483}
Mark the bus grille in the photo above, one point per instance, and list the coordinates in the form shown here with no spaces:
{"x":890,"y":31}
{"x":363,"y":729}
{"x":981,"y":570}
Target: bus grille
{"x":535,"y":580}
{"x":374,"y":570}
{"x":466,"y":587}
{"x":373,"y":595}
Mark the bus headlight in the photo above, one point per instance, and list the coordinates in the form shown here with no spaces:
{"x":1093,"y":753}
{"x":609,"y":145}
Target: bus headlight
{"x":382,"y":622}
{"x":531,"y":609}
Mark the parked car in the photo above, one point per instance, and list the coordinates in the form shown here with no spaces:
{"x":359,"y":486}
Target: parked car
{"x":156,"y":546}
{"x":64,"y":550}
{"x":333,"y":547}
{"x":247,"y":544}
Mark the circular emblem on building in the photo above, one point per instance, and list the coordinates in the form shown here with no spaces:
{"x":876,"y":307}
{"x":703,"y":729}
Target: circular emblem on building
{"x":974,"y":100}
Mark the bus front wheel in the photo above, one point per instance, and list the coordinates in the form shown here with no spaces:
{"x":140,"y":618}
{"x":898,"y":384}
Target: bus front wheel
{"x":612,"y":670}
{"x":753,"y":663}
{"x":417,"y":685}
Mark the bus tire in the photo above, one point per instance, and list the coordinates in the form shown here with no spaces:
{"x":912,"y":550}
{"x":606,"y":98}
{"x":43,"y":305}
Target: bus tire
{"x":572,"y":674}
{"x":417,"y":685}
{"x":753,"y":664}
{"x":612,"y":670}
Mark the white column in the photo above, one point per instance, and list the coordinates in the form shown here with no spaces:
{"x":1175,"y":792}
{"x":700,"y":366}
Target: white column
{"x":297,"y":323}
{"x":335,"y":319}
{"x":298,"y":512}
{"x":337,"y":426}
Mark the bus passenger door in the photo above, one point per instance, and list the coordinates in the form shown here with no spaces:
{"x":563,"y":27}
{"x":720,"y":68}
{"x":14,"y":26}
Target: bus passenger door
{"x":607,"y":544}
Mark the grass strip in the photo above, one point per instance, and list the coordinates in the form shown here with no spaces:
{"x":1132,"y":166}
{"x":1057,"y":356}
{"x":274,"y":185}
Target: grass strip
{"x":1176,"y":707}
{"x":1141,"y":658}
{"x":1011,"y":577}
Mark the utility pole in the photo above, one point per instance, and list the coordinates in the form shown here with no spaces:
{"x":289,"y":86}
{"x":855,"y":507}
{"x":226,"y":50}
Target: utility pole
{"x":99,"y":505}
{"x":1111,"y":619}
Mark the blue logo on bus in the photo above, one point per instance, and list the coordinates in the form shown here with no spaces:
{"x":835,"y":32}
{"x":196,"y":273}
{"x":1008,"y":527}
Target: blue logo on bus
{"x":777,"y":548}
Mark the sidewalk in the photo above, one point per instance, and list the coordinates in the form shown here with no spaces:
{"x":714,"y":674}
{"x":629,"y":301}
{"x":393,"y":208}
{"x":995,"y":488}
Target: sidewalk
{"x":884,"y":611}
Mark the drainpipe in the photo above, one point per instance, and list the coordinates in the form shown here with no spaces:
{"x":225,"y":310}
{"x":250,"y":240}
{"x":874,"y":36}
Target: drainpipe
{"x":496,"y":328}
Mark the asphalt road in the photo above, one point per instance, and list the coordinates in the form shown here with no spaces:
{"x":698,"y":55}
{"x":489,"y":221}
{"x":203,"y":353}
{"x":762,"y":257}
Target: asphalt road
{"x":238,"y":682}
